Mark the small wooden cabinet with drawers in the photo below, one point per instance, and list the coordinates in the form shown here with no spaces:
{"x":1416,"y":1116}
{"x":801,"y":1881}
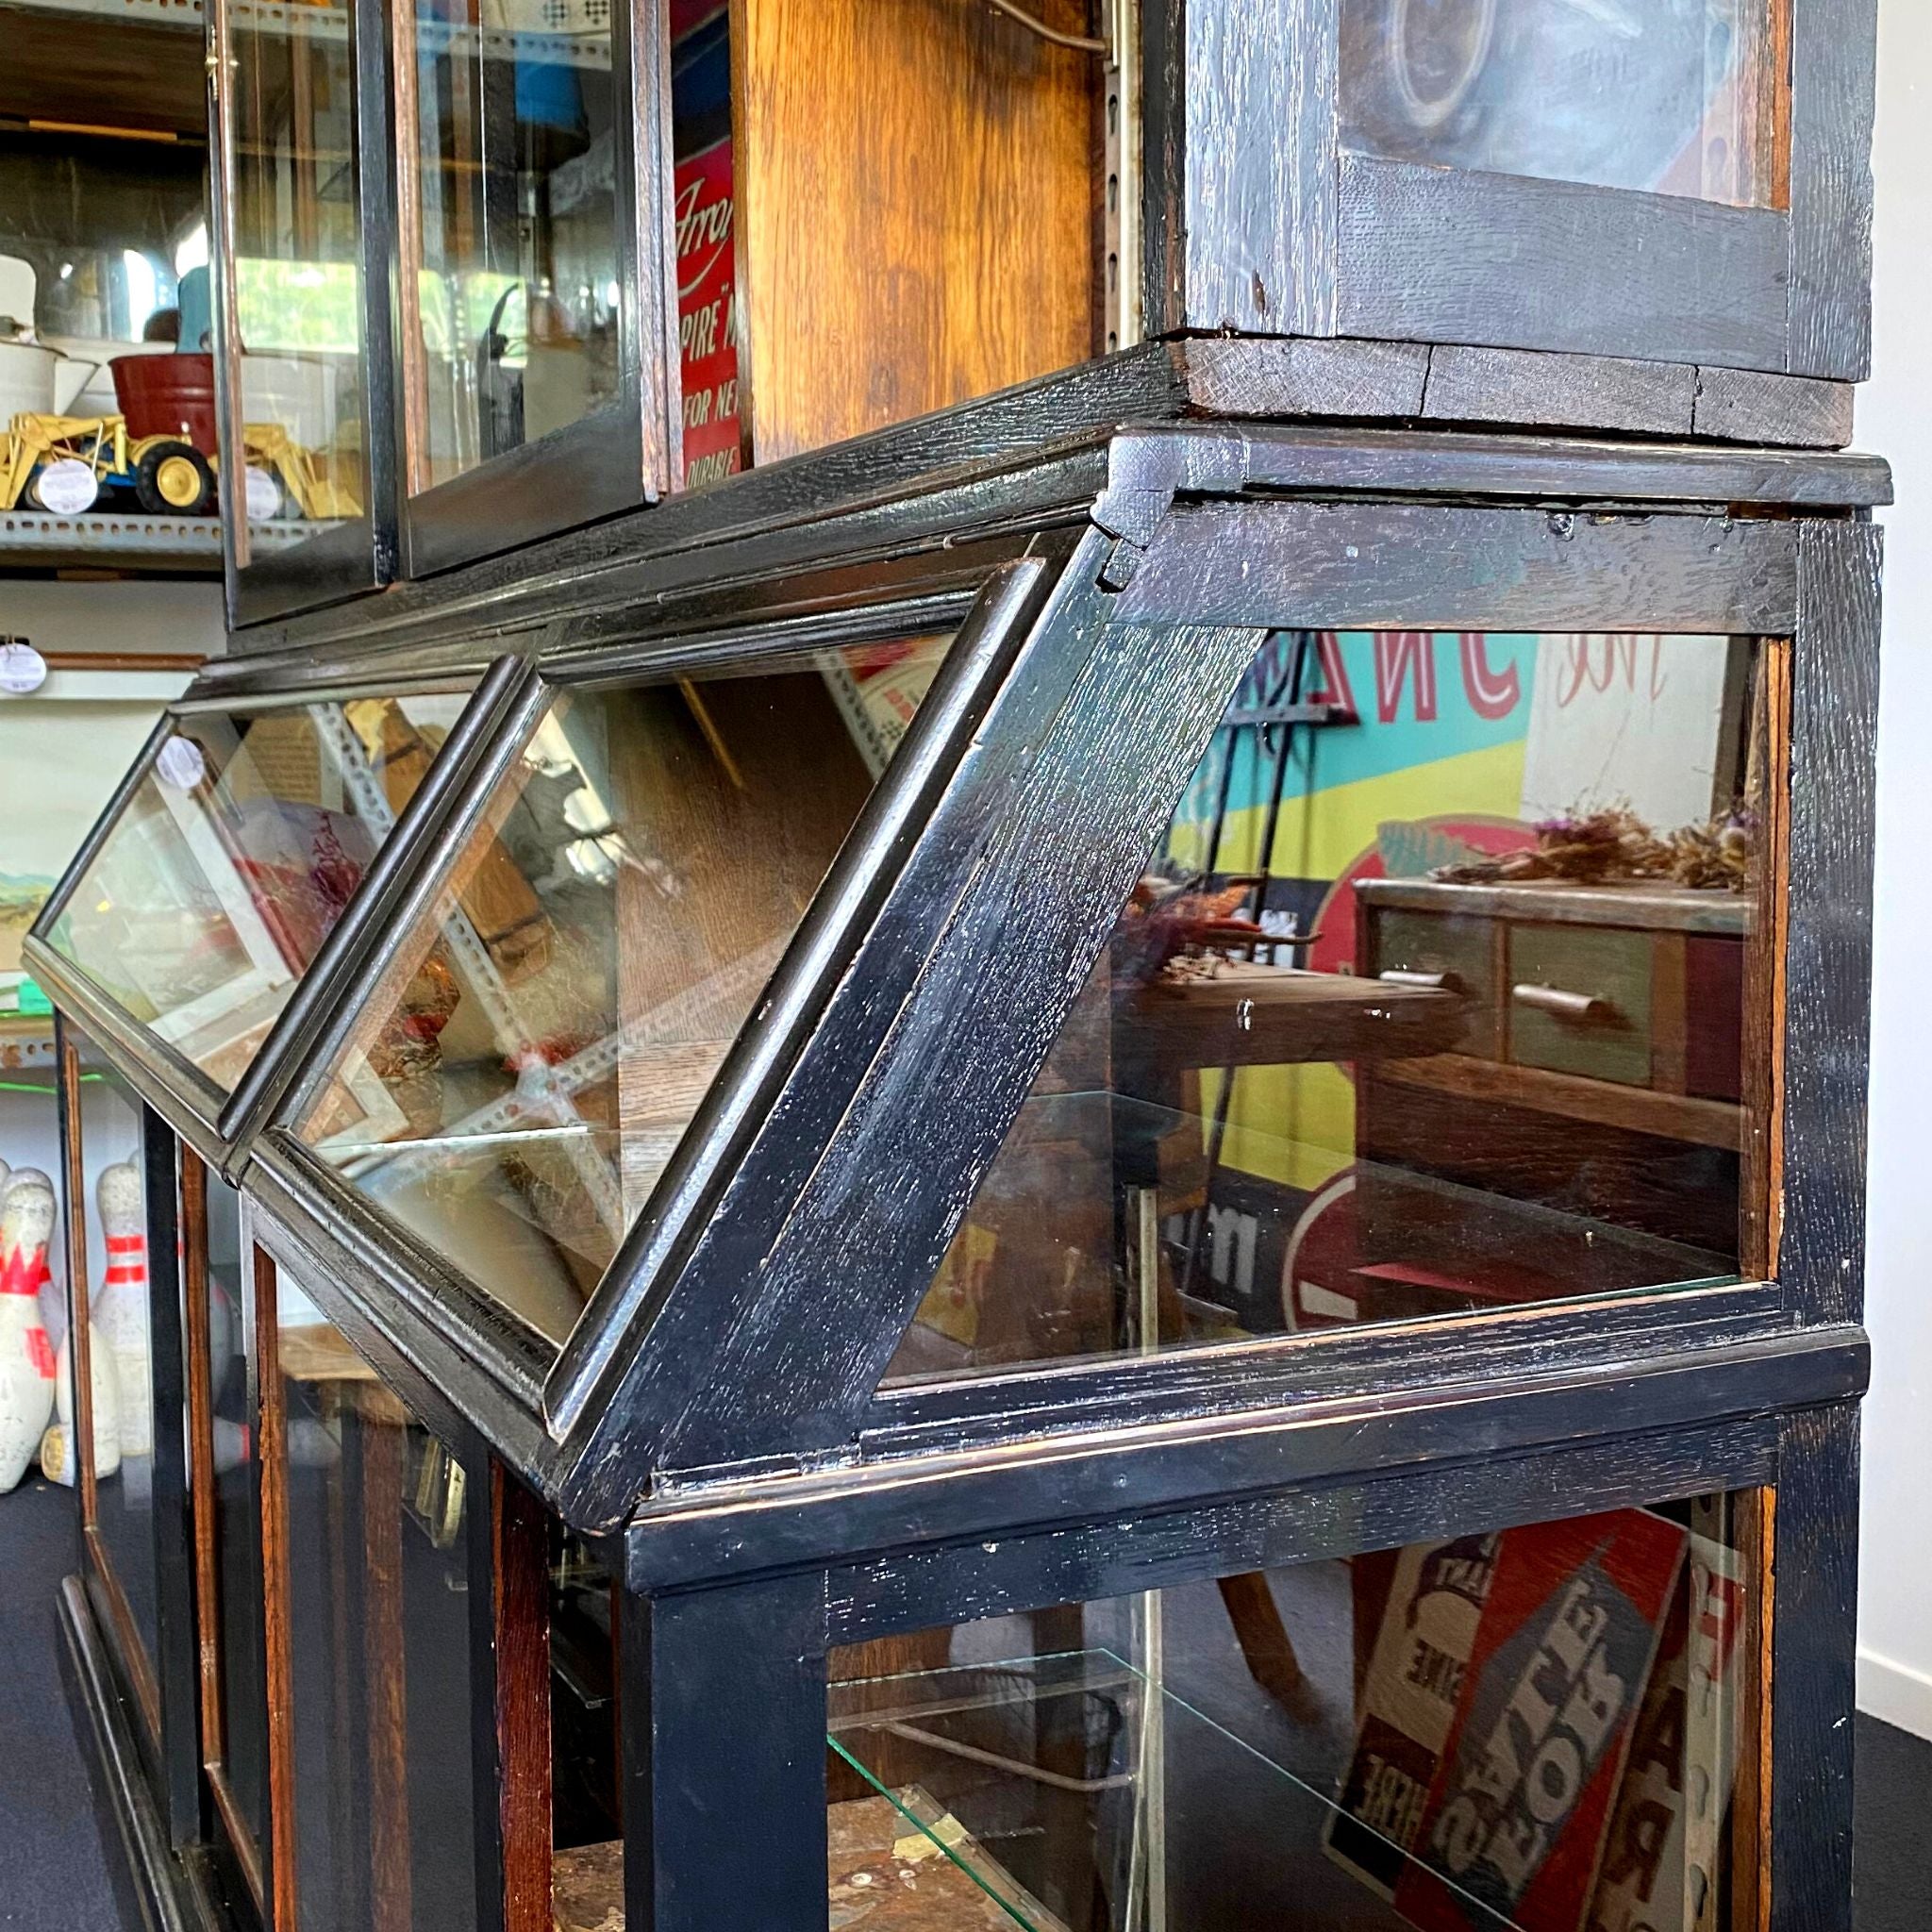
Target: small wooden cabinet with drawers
{"x":1600,"y":1021}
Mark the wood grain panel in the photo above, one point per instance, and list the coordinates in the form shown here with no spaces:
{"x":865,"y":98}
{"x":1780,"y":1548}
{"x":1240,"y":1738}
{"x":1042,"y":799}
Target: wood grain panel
{"x":1834,"y":98}
{"x":1828,"y":946}
{"x":1434,"y":255}
{"x":916,"y":187}
{"x":1561,"y":391}
{"x":1747,"y":406}
{"x":520,"y":1607}
{"x":1257,"y":209}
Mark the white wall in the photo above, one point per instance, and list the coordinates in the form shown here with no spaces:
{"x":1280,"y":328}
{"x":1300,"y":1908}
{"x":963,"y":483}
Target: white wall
{"x":1896,"y":419}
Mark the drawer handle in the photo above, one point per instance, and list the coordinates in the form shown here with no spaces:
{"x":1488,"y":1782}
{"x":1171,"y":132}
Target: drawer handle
{"x":1423,"y":982}
{"x":1582,"y":1006}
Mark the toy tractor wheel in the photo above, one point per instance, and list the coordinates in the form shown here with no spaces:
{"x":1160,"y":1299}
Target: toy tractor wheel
{"x":174,"y":479}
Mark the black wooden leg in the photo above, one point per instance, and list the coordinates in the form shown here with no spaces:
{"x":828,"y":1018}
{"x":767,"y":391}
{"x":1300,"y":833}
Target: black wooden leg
{"x":724,"y":1759}
{"x":1815,"y":1543}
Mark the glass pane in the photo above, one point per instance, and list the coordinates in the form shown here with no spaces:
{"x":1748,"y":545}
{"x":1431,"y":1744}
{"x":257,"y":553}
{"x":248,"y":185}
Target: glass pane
{"x":518,"y":291}
{"x":529,"y":1062}
{"x":234,"y":860}
{"x":119,"y":1328}
{"x":241,"y":1749}
{"x":1672,"y":96}
{"x":1470,"y":1034}
{"x":379,"y":1646}
{"x":1535,"y":1730}
{"x":298,"y":284}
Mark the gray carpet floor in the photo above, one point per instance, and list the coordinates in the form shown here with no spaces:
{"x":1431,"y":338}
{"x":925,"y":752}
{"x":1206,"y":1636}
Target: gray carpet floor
{"x":62,"y":1869}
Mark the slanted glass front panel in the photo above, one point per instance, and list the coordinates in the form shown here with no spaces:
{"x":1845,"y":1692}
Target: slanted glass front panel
{"x":1672,"y":96}
{"x":298,"y":281}
{"x":120,"y":1337}
{"x":533,"y":1056}
{"x":1431,"y":999}
{"x":518,"y":281}
{"x":234,"y":860}
{"x":385,"y":1797}
{"x":1549,"y":1726}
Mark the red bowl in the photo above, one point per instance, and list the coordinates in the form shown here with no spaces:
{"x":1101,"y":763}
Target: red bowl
{"x":168,"y":395}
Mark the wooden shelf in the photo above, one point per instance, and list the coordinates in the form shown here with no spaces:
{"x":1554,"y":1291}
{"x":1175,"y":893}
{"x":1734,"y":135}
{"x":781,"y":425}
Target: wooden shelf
{"x":1639,"y":1110}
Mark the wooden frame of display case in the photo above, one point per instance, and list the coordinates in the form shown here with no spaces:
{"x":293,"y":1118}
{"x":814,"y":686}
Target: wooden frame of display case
{"x":1348,"y":244}
{"x":161,"y":1687}
{"x":768,"y":1500}
{"x":729,"y":1205}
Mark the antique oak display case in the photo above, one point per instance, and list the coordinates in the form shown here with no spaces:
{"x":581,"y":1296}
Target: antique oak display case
{"x":1125,"y":1189}
{"x":497,"y":272}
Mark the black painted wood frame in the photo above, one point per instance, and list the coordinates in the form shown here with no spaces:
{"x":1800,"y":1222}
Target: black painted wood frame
{"x":1260,"y":221}
{"x":725,"y":1693}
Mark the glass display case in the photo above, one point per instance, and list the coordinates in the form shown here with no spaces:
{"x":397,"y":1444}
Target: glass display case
{"x":617,"y":255}
{"x":1126,"y":1191}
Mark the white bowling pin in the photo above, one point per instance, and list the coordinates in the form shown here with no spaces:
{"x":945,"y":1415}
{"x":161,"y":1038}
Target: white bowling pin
{"x":106,"y":1412}
{"x":53,"y":1311}
{"x":27,"y":1357}
{"x":120,"y":1317}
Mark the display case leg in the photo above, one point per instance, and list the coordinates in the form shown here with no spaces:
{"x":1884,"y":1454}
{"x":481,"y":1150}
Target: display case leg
{"x":724,"y":1759}
{"x":1813,"y":1651}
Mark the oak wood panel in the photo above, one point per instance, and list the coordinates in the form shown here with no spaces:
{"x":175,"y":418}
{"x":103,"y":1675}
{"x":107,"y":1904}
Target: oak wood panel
{"x":1575,"y":391}
{"x":1762,"y":1063}
{"x":916,"y":206}
{"x":385,"y":1684}
{"x":79,"y":1292}
{"x":1834,"y":98}
{"x":520,"y":1604}
{"x":1245,"y":238}
{"x":279,"y":1670}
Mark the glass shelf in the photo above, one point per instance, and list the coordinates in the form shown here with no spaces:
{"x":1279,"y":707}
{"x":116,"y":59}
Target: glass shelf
{"x":1030,"y":1769}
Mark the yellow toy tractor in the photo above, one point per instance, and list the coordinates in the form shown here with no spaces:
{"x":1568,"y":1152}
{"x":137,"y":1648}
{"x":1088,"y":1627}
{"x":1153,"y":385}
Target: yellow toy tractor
{"x":62,"y":464}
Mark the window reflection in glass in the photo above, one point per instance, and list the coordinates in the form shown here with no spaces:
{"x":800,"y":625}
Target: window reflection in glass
{"x":518,"y":288}
{"x":1672,"y":96}
{"x":234,"y":860}
{"x":241,"y":1750}
{"x":120,"y":1335}
{"x":298,"y":283}
{"x":1548,"y":1726}
{"x":1430,"y":1000}
{"x":530,"y":1061}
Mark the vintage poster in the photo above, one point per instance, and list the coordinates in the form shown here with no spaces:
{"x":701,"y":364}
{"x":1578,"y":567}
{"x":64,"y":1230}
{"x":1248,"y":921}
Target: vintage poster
{"x":705,"y":240}
{"x":1504,"y":1687}
{"x":1664,"y":1858}
{"x":1427,"y":1633}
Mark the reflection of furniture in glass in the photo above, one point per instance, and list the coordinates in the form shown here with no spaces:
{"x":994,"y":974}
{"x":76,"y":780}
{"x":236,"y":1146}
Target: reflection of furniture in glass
{"x":1604,"y":1041}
